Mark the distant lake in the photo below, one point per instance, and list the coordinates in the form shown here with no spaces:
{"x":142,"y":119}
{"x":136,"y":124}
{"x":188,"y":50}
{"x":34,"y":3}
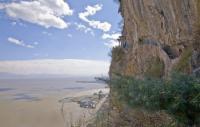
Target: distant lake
{"x":33,"y":88}
{"x":29,"y":102}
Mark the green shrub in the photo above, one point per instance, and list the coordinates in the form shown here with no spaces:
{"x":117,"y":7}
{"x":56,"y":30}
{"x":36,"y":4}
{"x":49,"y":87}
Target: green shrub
{"x":117,"y":53}
{"x":179,"y":97}
{"x":184,"y":61}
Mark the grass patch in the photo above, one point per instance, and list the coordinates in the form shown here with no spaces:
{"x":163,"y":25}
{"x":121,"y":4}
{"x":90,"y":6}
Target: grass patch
{"x":179,"y":97}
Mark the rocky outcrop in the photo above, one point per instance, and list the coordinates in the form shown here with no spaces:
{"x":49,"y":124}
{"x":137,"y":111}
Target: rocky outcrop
{"x":161,"y":36}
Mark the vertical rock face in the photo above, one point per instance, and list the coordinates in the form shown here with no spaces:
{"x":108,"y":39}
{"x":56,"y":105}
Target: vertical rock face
{"x":159,"y":35}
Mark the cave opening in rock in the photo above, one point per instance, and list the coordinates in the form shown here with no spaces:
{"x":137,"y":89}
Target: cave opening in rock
{"x":172,"y":52}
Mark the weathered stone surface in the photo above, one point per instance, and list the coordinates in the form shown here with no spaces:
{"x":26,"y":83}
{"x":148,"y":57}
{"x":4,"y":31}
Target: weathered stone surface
{"x":158,"y":29}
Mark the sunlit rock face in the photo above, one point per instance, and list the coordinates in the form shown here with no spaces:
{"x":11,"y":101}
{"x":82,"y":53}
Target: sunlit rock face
{"x":160,"y":35}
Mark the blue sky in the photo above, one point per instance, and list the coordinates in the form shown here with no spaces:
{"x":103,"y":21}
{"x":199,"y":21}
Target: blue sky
{"x":24,"y":39}
{"x":71,"y":37}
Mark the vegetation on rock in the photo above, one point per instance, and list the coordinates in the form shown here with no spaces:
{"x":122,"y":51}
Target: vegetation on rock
{"x":156,"y":68}
{"x":117,"y":53}
{"x":184,"y":63}
{"x":179,"y":96}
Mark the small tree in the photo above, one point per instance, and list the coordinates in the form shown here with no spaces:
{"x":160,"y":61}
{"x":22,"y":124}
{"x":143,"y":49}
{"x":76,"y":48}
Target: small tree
{"x":179,"y":97}
{"x":182,"y":99}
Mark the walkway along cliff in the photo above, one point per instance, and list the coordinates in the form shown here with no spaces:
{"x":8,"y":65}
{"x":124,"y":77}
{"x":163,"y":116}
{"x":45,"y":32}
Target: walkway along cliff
{"x":160,"y":36}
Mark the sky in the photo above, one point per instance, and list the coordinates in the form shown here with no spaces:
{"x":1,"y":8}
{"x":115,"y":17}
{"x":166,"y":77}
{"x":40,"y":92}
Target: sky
{"x":59,"y":67}
{"x":57,"y":30}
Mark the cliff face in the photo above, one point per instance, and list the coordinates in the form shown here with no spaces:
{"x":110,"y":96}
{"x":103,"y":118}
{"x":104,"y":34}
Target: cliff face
{"x":158,"y":37}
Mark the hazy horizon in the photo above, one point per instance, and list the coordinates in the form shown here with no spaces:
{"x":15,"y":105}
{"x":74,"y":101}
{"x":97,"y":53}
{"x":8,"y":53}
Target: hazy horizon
{"x":51,"y":68}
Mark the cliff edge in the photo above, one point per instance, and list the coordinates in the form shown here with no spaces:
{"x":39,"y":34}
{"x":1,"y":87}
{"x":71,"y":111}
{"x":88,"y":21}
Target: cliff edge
{"x":158,"y":36}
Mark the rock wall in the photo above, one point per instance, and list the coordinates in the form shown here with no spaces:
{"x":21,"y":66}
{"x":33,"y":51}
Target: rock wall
{"x":160,"y":36}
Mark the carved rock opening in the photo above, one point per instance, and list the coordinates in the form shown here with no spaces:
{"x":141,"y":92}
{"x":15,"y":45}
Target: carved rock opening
{"x":172,"y":52}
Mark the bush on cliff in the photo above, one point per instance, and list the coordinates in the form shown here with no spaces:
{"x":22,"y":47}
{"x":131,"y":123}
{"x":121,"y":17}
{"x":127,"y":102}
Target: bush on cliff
{"x":117,"y":53}
{"x":179,"y":96}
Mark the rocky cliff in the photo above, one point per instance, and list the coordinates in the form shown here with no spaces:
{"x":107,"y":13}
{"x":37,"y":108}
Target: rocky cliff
{"x":158,"y":36}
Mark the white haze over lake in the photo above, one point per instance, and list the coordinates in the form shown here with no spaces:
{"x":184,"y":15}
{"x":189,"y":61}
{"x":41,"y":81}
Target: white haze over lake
{"x":68,"y":67}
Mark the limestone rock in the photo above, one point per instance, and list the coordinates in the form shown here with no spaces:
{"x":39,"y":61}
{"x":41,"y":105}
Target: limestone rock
{"x":160,"y":35}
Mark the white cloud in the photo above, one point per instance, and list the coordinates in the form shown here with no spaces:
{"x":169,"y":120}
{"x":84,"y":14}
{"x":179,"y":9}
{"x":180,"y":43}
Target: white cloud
{"x":47,"y":13}
{"x":90,"y":11}
{"x":70,"y":67}
{"x":46,"y":33}
{"x":18,"y":23}
{"x":22,"y":24}
{"x":59,"y":7}
{"x":112,"y":43}
{"x":113,"y":36}
{"x":2,"y":6}
{"x":105,"y":26}
{"x":84,"y":28}
{"x":13,"y":23}
{"x":29,"y":46}
{"x":112,"y":39}
{"x":19,"y":42}
{"x":69,"y":35}
{"x":35,"y":43}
